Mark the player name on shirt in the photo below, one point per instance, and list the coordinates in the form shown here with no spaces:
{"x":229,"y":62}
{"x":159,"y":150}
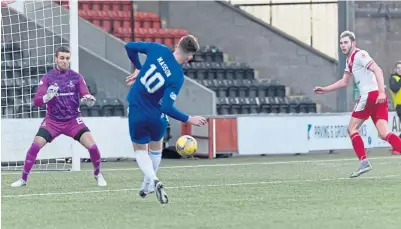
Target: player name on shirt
{"x":164,"y":66}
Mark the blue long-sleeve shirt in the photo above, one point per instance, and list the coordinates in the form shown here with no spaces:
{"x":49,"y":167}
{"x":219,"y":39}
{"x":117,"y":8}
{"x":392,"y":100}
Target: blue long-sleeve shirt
{"x":159,"y":82}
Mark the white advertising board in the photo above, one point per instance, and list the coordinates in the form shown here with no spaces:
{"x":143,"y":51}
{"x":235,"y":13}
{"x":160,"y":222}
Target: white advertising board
{"x":331,"y":132}
{"x":271,"y":135}
{"x":304,"y":133}
{"x":111,"y":135}
{"x":393,"y":126}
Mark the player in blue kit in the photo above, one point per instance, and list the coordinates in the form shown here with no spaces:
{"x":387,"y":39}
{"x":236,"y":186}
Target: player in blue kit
{"x":155,"y":87}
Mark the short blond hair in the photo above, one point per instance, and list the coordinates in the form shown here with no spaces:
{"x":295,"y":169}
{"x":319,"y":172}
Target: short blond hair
{"x":349,"y":34}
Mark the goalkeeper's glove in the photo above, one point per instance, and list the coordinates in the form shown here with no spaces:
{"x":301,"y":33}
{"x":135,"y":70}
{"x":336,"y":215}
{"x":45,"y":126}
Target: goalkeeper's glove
{"x":51,"y":92}
{"x":89,"y":100}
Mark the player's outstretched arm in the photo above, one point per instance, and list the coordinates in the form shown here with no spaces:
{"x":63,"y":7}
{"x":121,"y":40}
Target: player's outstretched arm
{"x":133,"y":48}
{"x":344,"y":82}
{"x":167,"y":107}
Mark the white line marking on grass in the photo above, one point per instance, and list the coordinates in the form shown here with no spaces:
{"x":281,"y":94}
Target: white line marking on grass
{"x":226,"y":164}
{"x":203,"y":186}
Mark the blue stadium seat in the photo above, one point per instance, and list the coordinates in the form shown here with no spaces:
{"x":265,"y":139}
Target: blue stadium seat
{"x":212,"y":54}
{"x":96,"y":110}
{"x":253,"y":89}
{"x":221,"y":88}
{"x":230,"y":70}
{"x":284,"y":105}
{"x":265,"y":106}
{"x":293,"y":105}
{"x":212,"y":71}
{"x":249,"y":73}
{"x":201,"y":72}
{"x":112,"y":107}
{"x":223,"y":107}
{"x":312,"y":108}
{"x":280,"y":90}
{"x":245,"y":105}
{"x":85,"y":110}
{"x":235,"y":107}
{"x":275,"y":106}
{"x":119,"y":109}
{"x":304,"y":105}
{"x":244,"y":87}
{"x":254,"y":105}
{"x":107,"y":107}
{"x":189,"y":71}
{"x":199,"y":57}
{"x":220,"y":70}
{"x":232,"y":88}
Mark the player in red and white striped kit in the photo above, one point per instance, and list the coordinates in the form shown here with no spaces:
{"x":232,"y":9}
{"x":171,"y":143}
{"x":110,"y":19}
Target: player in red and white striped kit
{"x":372,"y":103}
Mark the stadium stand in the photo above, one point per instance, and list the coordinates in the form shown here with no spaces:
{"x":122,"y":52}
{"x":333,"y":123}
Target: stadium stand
{"x":236,"y":86}
{"x":238,"y":90}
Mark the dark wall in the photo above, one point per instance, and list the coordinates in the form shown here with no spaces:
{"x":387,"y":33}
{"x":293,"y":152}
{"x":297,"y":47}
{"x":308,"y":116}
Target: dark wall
{"x":379,"y":32}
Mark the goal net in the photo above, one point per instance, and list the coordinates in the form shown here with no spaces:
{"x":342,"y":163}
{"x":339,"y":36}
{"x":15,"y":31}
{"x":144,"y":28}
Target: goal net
{"x":31,"y":31}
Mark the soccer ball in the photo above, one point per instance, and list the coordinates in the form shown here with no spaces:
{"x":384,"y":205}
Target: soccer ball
{"x":186,"y":145}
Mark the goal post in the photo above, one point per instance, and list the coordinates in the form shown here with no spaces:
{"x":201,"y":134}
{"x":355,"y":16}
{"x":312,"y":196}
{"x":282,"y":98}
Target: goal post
{"x":31,"y":31}
{"x":74,"y":47}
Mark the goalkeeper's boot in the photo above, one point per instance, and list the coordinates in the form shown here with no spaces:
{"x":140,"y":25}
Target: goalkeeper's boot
{"x":100,"y":180}
{"x":160,"y":193}
{"x":363,"y":168}
{"x":18,"y":183}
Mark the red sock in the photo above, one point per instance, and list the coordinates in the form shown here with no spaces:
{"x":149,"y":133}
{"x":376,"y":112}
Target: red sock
{"x":394,"y":141}
{"x":358,"y":145}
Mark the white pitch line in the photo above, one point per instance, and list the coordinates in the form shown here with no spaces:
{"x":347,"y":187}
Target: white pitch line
{"x":257,"y":163}
{"x":202,"y":186}
{"x":227,"y":165}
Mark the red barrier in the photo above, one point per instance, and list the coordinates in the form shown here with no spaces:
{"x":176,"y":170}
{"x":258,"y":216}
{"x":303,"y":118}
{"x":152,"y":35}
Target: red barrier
{"x":218,"y":136}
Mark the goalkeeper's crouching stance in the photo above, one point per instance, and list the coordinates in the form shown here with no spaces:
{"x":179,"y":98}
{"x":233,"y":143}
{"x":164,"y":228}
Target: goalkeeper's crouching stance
{"x":62,"y":90}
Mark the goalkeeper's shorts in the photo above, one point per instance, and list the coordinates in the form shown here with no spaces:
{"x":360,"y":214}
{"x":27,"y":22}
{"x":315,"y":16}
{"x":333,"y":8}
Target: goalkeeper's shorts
{"x":73,"y":128}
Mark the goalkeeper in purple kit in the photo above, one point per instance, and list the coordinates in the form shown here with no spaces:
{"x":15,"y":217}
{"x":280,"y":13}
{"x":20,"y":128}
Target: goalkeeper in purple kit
{"x":62,"y":90}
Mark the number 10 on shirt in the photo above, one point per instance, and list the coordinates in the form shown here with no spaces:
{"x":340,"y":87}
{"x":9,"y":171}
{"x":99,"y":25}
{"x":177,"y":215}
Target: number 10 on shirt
{"x":150,"y":77}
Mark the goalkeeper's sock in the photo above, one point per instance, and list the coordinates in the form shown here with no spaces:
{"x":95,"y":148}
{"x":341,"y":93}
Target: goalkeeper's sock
{"x":156,"y":157}
{"x":145,"y":164}
{"x":95,"y":158}
{"x":30,"y":159}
